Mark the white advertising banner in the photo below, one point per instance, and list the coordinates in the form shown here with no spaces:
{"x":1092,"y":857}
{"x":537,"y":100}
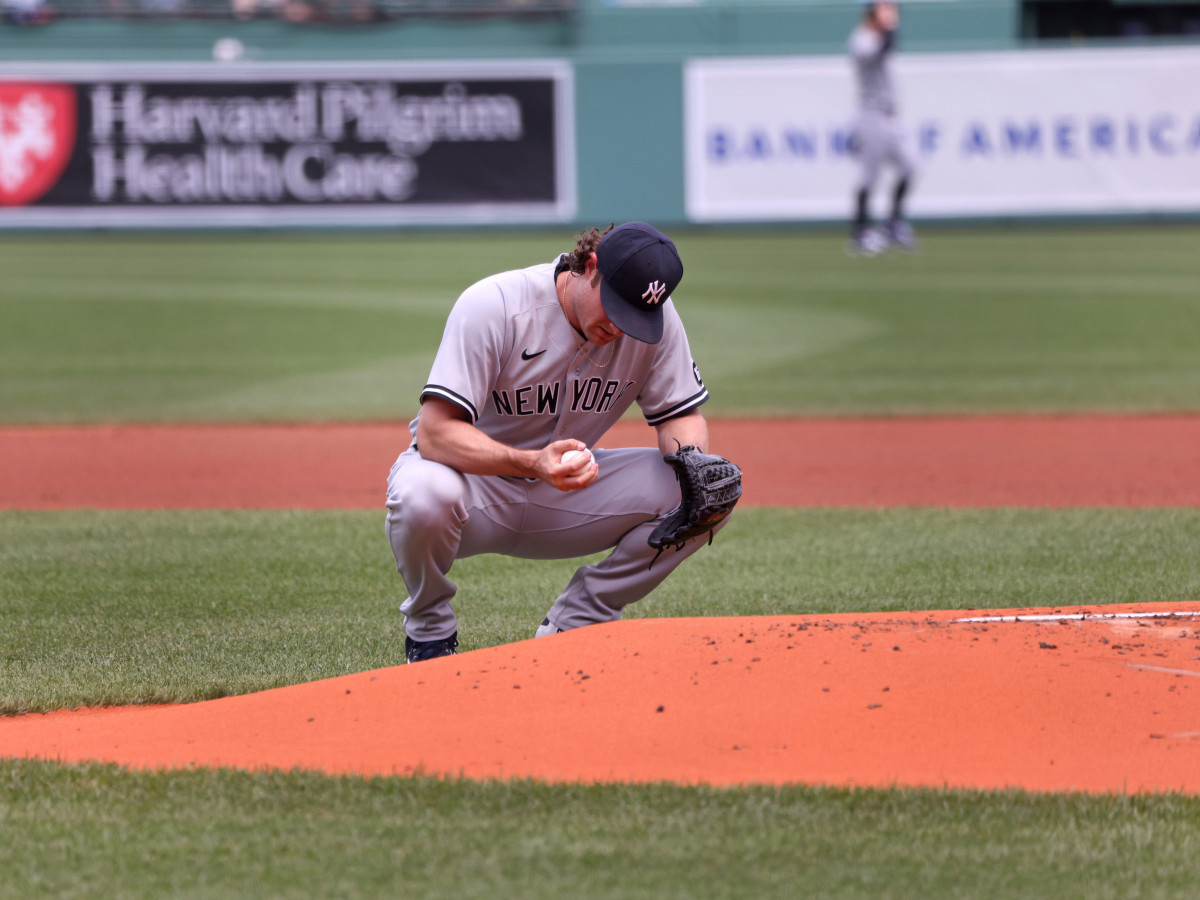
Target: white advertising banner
{"x":993,"y":134}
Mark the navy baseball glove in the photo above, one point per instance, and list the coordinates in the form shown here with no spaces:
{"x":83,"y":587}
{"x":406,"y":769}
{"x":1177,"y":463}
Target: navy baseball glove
{"x":710,"y":486}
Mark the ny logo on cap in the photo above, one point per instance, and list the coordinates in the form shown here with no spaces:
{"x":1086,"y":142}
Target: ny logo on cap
{"x":654,"y":292}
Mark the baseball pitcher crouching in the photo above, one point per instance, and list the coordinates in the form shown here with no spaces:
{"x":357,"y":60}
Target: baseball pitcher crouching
{"x":535,"y":365}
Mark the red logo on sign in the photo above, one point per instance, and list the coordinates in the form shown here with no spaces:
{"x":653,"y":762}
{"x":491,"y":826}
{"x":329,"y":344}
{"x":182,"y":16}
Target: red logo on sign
{"x":37,"y":135}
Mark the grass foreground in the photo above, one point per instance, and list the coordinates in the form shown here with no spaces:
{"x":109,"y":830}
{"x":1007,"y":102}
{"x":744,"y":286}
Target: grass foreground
{"x":97,"y":830}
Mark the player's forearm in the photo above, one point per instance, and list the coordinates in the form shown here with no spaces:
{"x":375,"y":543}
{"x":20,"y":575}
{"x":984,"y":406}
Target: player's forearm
{"x":689,"y":430}
{"x":462,"y":446}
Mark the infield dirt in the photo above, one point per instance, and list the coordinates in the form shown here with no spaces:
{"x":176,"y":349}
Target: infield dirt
{"x":1092,"y":700}
{"x":1083,"y":461}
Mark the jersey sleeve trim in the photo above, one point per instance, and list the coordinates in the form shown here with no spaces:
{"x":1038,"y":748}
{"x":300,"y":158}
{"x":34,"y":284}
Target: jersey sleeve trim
{"x":437,"y":390}
{"x":679,"y":409}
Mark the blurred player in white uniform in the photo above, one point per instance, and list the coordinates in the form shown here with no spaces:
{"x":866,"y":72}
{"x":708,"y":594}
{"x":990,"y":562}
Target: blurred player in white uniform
{"x":878,"y":138}
{"x":535,"y":362}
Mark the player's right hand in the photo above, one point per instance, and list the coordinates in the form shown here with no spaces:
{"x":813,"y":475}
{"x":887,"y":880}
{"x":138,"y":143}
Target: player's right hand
{"x":573,"y":475}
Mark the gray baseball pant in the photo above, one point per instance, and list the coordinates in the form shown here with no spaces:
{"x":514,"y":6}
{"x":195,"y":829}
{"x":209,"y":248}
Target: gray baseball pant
{"x":437,"y":515}
{"x":880,"y":141}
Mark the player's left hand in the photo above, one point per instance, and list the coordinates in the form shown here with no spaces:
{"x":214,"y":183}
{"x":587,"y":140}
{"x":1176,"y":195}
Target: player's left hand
{"x":710,"y":486}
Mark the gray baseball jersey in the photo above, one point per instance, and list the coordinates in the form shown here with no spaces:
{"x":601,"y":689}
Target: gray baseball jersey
{"x":870,"y":51}
{"x":879,"y":139}
{"x":510,"y":359}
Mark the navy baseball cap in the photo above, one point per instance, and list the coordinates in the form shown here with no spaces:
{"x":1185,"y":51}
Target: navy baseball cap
{"x":640,"y":268}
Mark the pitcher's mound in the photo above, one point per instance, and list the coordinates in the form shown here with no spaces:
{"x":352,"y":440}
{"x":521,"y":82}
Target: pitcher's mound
{"x":1100,"y":699}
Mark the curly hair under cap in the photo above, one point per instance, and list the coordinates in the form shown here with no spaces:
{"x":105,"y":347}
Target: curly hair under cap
{"x":585,"y":245}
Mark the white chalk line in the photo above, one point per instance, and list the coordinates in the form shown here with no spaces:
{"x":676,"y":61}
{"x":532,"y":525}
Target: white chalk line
{"x":1077,"y":617}
{"x":1164,"y":669}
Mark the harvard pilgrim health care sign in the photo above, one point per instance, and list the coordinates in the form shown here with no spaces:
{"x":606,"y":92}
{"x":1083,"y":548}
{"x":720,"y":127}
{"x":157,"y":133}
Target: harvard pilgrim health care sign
{"x":192,"y":145}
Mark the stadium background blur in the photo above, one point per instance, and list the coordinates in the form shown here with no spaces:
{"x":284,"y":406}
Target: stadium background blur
{"x":632,"y":136}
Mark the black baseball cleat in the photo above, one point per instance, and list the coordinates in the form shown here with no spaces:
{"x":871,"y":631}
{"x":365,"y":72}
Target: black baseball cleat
{"x":546,"y":629}
{"x":419,"y":651}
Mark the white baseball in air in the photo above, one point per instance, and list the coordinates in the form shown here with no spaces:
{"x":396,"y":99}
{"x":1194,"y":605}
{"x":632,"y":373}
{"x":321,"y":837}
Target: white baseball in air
{"x":572,"y":454}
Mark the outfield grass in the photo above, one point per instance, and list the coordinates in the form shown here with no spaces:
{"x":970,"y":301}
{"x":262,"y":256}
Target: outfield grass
{"x":269,"y":327}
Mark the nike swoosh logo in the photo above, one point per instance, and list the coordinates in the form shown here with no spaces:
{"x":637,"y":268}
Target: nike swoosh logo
{"x":525,"y":354}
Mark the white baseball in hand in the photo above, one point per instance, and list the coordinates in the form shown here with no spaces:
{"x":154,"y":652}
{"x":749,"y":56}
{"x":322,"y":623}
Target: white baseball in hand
{"x":571,"y":455}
